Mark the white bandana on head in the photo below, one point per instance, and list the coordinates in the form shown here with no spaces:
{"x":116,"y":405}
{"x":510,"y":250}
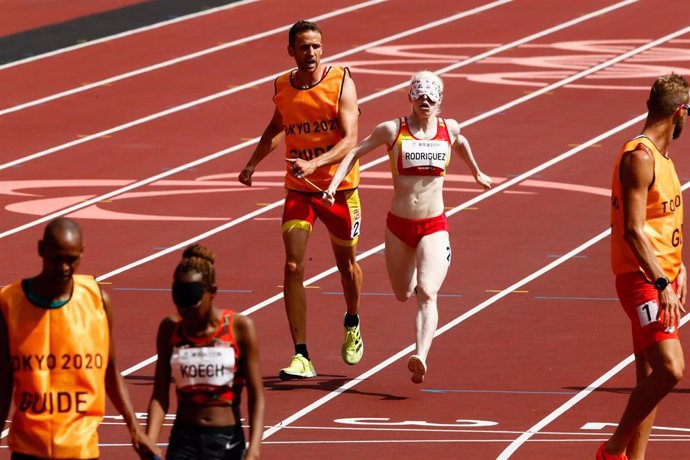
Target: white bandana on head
{"x":425,"y":87}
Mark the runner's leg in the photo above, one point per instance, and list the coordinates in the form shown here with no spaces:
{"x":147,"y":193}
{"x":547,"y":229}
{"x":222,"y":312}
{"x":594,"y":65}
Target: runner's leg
{"x":667,"y":363}
{"x":400,"y":264}
{"x":293,"y":286}
{"x":638,"y":442}
{"x":350,"y":275}
{"x":433,"y":260}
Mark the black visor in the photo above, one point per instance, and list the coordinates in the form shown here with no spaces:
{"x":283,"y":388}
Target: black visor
{"x":187,"y":294}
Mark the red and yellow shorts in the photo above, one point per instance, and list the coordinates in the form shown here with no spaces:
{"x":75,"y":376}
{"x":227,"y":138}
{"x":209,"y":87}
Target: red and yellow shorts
{"x":410,"y":231}
{"x":343,"y":219}
{"x":640,"y":300}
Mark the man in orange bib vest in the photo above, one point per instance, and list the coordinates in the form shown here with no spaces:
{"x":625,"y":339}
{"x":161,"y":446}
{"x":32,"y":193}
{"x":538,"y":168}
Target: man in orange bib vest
{"x":646,"y":247}
{"x":57,"y":357}
{"x":316,"y":113}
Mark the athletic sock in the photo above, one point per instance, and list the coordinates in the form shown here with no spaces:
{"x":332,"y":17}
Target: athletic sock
{"x":351,"y":320}
{"x":301,"y":349}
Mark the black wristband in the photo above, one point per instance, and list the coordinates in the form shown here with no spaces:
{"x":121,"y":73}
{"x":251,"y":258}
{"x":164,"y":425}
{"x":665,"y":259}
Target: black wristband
{"x":661,"y":283}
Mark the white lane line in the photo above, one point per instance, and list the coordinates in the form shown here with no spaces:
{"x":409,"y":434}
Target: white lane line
{"x":242,"y":87}
{"x":451,"y":441}
{"x":276,"y":297}
{"x":390,"y":441}
{"x":378,"y":248}
{"x":575,"y":435}
{"x":365,"y":99}
{"x":126,"y":34}
{"x":515,"y":445}
{"x":140,"y":365}
{"x":410,"y":348}
{"x":187,"y":57}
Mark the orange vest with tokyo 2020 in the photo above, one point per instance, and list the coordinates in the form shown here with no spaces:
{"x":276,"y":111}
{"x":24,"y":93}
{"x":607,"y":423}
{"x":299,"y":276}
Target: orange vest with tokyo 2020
{"x":663,"y":225}
{"x":310,"y":122}
{"x":59,"y":355}
{"x":410,"y":156}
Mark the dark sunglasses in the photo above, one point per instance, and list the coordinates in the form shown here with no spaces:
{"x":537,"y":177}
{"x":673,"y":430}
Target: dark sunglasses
{"x":187,"y":295}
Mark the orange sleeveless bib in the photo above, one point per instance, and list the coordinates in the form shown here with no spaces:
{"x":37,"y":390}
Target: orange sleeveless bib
{"x":59,"y":357}
{"x":664,"y":220}
{"x":310,"y":122}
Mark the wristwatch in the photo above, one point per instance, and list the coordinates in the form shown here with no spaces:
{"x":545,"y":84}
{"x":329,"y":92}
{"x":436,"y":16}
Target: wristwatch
{"x":661,"y":283}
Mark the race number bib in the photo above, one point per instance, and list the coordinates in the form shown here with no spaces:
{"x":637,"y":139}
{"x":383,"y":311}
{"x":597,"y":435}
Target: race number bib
{"x":356,"y":217}
{"x":647,"y":313}
{"x":424,"y":154}
{"x":213,"y":366}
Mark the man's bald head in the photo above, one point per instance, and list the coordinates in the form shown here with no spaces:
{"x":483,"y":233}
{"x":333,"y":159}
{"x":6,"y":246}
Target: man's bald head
{"x":63,"y":230}
{"x":61,"y":249}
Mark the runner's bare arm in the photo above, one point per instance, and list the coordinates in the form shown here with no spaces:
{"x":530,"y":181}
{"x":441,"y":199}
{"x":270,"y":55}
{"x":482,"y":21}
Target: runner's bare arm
{"x":270,"y":139}
{"x":160,"y":397}
{"x":348,"y":116}
{"x":682,"y":283}
{"x":383,"y":134}
{"x":637,"y":173}
{"x":116,"y":388}
{"x":249,"y":349}
{"x":462,"y":146}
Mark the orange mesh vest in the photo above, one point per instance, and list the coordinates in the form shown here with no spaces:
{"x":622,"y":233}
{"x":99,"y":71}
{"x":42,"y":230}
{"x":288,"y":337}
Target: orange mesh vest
{"x":310,"y":122}
{"x":59,"y":357}
{"x":664,"y":220}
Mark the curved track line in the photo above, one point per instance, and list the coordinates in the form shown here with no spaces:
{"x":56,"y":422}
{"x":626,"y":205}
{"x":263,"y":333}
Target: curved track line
{"x":186,"y":57}
{"x":236,"y":89}
{"x":515,"y":445}
{"x":530,"y":38}
{"x":126,"y":34}
{"x":365,"y":99}
{"x":127,"y":188}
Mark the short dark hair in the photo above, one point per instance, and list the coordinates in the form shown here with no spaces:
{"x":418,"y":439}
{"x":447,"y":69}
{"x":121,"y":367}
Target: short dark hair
{"x":302,"y":26}
{"x":667,"y":93}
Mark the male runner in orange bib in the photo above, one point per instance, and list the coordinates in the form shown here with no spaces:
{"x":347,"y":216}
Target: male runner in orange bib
{"x":316,"y":113}
{"x":646,"y":247}
{"x":56,"y":353}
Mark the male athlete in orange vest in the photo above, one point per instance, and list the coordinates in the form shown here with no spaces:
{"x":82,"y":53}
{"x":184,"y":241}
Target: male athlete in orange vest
{"x":57,"y":354}
{"x":646,"y":247}
{"x":316,"y":113}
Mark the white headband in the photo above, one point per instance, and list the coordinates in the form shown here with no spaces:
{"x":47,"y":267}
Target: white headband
{"x":426,"y":87}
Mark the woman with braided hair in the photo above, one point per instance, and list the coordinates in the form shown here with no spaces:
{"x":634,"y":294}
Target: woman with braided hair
{"x":212,"y":353}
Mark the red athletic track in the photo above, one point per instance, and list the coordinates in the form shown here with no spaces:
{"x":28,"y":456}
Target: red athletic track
{"x":512,"y":363}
